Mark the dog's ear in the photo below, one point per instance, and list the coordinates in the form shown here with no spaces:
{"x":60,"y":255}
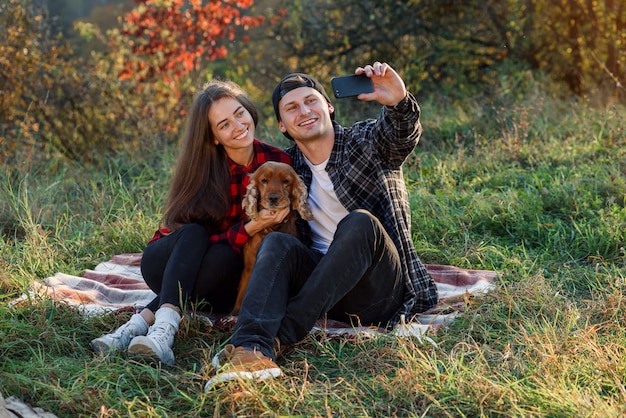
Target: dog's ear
{"x":249,"y":203}
{"x":299,"y":198}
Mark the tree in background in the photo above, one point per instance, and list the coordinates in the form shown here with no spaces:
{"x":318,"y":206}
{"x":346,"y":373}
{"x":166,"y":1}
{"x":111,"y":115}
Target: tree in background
{"x":175,"y":37}
{"x":582,"y":43}
{"x":54,"y":103}
{"x":165,"y":45}
{"x":132,"y":90}
{"x":32,"y":62}
{"x":124,"y":97}
{"x":460,"y":47}
{"x":442,"y":44}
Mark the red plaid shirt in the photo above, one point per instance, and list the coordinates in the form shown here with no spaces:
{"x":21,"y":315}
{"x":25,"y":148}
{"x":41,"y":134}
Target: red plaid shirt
{"x":232,"y":231}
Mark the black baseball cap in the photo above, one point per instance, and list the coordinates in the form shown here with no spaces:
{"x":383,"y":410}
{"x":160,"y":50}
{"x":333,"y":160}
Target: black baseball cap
{"x":294,"y":81}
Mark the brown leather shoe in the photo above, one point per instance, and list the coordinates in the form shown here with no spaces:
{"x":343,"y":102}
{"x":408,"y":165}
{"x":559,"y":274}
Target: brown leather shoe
{"x":240,"y":363}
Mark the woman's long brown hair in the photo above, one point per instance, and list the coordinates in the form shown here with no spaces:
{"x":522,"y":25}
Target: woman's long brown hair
{"x":199,"y":190}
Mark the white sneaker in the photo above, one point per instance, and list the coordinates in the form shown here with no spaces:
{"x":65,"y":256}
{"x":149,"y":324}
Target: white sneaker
{"x":160,"y":339}
{"x":119,"y":339}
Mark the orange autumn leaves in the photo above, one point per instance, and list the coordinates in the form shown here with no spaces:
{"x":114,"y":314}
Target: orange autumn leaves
{"x":173,"y":37}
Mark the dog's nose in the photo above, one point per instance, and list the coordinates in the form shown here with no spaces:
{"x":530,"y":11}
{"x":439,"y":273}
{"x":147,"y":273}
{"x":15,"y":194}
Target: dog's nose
{"x":273,"y":198}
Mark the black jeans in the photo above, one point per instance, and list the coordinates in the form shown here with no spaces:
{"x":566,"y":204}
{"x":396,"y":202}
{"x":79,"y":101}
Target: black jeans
{"x":182,"y":267}
{"x":359,"y":280}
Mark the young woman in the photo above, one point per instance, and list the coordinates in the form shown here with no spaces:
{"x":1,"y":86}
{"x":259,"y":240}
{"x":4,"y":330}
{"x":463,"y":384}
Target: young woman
{"x":195,"y":257}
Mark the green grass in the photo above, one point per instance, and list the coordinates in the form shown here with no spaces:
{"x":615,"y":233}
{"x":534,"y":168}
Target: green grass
{"x":534,"y":188}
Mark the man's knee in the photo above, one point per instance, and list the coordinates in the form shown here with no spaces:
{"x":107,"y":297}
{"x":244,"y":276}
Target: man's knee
{"x":277,"y":242}
{"x":359,"y":220}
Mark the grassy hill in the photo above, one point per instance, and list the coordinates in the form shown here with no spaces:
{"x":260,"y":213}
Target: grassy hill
{"x":533,"y":187}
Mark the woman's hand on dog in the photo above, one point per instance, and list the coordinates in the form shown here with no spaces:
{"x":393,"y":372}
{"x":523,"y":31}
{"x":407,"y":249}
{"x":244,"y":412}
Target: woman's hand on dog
{"x":266,"y":219}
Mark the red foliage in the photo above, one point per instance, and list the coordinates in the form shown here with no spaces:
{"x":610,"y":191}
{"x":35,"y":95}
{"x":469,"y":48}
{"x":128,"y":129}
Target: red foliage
{"x":175,"y":36}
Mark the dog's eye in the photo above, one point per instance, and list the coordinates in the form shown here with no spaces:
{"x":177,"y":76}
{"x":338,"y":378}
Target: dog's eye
{"x":286,"y":181}
{"x":264,"y":180}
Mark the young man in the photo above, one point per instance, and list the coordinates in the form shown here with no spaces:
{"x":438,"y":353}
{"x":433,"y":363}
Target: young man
{"x":361,"y":266}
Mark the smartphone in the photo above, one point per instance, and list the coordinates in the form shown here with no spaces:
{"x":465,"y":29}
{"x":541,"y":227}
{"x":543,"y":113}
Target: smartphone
{"x":351,"y":85}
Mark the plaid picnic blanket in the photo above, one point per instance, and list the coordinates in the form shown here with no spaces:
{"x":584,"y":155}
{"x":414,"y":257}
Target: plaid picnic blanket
{"x":117,"y":285}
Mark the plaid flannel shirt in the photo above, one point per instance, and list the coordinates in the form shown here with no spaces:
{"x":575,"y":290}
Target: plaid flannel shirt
{"x":231,"y":231}
{"x":365,"y":167}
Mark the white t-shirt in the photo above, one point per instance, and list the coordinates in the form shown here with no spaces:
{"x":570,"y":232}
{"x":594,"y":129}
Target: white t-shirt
{"x":326,"y":208}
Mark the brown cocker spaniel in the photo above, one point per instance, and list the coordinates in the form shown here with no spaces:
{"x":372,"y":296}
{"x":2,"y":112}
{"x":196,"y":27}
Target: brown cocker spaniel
{"x":273,"y":186}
